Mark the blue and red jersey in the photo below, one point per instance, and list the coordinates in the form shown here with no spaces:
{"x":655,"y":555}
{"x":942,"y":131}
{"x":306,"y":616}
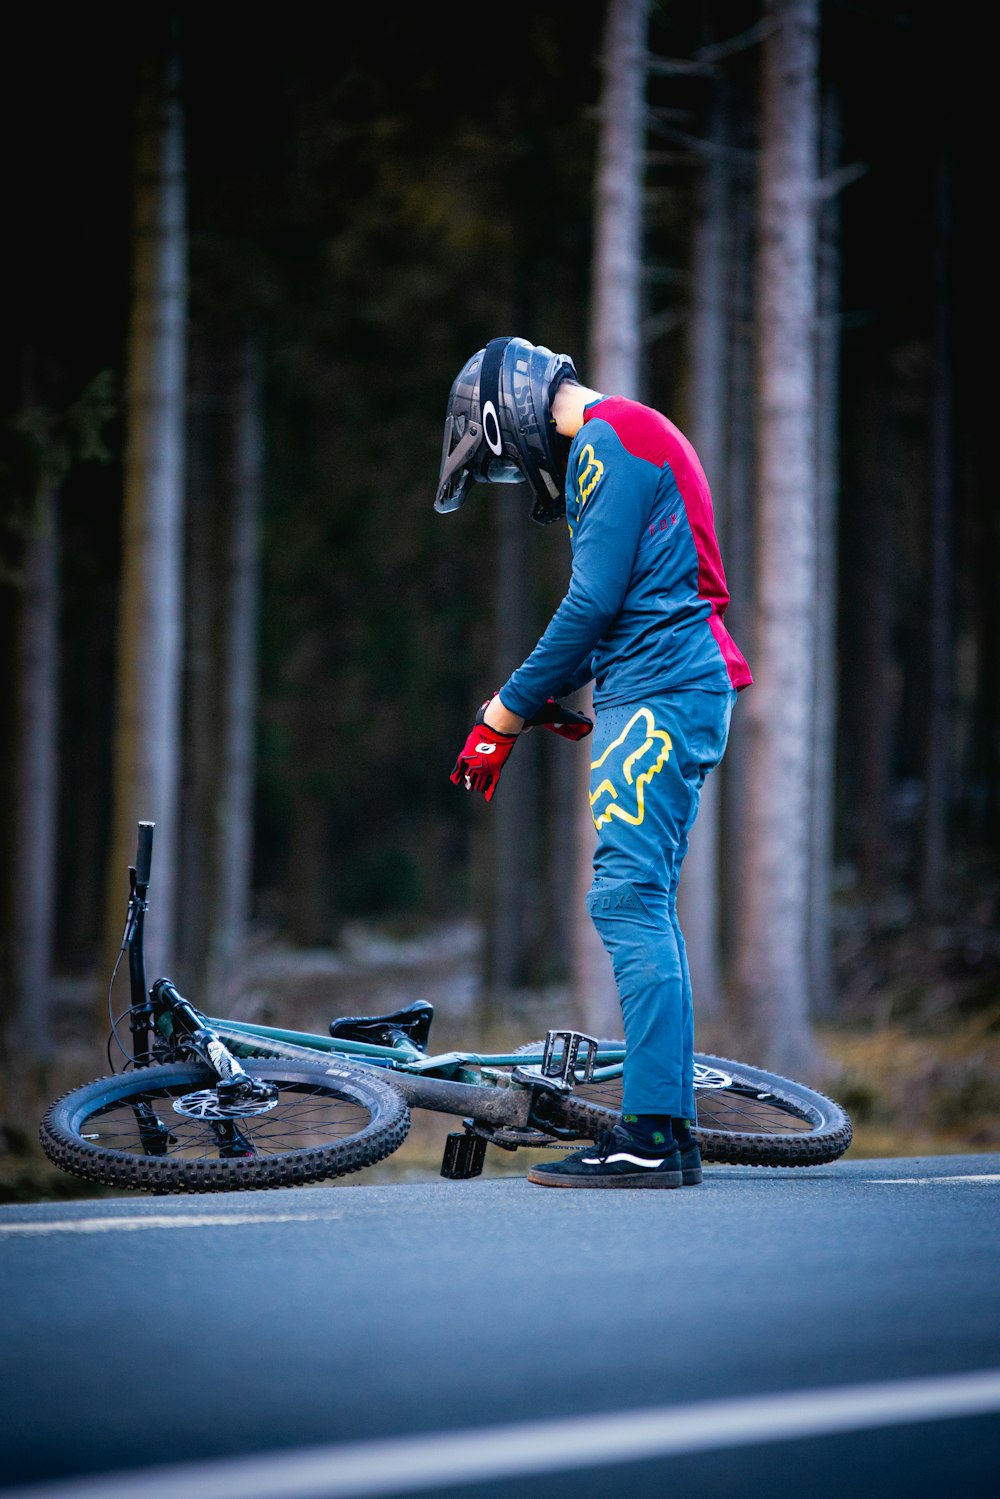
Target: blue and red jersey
{"x":645,"y":607}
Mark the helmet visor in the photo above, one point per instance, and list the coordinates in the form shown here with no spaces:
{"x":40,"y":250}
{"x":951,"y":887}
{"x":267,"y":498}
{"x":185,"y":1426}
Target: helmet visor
{"x":457,"y":461}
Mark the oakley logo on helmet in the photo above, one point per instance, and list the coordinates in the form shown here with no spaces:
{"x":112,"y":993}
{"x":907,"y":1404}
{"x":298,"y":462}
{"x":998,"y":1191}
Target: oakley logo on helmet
{"x":499,"y":428}
{"x":491,"y":429}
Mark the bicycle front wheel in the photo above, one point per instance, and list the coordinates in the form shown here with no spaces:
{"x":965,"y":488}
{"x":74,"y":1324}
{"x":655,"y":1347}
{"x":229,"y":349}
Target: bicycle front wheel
{"x":745,"y":1116}
{"x":163,"y":1129}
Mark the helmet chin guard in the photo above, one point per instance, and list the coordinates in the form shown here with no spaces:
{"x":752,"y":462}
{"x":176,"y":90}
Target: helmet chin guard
{"x":499,"y":427}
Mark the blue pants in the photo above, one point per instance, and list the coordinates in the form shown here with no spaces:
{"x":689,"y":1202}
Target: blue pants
{"x":650,"y":763}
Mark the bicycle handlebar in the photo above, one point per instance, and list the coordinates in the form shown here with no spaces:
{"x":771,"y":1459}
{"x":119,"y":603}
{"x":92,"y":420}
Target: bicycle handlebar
{"x":144,"y":853}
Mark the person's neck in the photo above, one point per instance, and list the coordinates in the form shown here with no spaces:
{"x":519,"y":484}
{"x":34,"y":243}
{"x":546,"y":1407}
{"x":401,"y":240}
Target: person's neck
{"x":568,"y":406}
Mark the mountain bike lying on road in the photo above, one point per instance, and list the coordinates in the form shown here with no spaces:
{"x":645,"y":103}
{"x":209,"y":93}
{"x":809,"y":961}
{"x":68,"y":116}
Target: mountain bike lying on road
{"x":206,"y":1104}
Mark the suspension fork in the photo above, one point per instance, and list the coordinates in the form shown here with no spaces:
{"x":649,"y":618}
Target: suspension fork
{"x":235,"y":1084}
{"x":140,"y":1011}
{"x":156,"y":1138}
{"x":149,"y":1005}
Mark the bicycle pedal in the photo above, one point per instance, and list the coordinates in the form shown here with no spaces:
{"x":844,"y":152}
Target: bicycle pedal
{"x":561,"y":1058}
{"x":463,"y":1156}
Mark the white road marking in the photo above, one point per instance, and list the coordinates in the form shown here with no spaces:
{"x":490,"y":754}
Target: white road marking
{"x":927,"y":1181}
{"x":157,"y":1220}
{"x":410,"y":1465}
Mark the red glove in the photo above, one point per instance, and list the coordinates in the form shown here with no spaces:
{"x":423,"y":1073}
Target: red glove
{"x":562,"y":721}
{"x":483,"y":757}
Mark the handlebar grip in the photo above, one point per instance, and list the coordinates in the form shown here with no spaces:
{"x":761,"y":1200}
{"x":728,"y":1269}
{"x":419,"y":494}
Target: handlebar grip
{"x":144,"y":853}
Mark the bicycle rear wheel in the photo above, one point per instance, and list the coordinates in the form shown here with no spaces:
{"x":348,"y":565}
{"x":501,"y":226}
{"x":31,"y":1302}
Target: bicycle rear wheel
{"x":162,"y":1129}
{"x":745,"y":1116}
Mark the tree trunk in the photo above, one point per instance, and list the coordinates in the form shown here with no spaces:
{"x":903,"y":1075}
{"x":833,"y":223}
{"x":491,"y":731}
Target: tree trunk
{"x":615,"y":310}
{"x":984,"y":748}
{"x":740,"y":461}
{"x":825,"y":670}
{"x":206,"y":399}
{"x":223,"y":569}
{"x":875,"y":697}
{"x":234,"y":859}
{"x":614,"y":369}
{"x":31,"y":877}
{"x":772,"y":968}
{"x":147,"y":716}
{"x":937,"y":752}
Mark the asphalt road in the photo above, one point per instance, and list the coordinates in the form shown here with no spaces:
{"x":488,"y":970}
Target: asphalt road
{"x":834,"y":1331}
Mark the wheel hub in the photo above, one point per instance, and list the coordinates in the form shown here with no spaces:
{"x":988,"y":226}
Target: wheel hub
{"x":711,"y":1077}
{"x":206,"y":1104}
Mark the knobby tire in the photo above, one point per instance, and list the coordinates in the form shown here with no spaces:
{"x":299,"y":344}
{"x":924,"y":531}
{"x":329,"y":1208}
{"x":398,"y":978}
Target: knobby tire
{"x":760,"y":1119}
{"x":330,"y":1119}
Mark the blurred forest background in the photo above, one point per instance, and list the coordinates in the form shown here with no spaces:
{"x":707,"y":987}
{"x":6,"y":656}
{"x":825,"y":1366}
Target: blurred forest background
{"x":290,"y":649}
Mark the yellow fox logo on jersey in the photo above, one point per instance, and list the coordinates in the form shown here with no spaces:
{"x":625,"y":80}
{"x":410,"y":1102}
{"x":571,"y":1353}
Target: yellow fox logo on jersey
{"x":645,"y":750}
{"x":590,"y":473}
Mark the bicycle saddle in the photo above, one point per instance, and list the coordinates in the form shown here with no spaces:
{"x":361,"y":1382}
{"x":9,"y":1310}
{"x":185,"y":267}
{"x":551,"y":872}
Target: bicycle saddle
{"x":413,"y":1022}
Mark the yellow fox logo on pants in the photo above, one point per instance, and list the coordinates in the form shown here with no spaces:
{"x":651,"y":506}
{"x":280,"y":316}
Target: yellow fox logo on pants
{"x":646,"y":750}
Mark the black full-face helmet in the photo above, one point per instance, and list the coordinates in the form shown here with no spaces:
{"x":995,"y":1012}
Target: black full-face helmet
{"x":499,"y":427}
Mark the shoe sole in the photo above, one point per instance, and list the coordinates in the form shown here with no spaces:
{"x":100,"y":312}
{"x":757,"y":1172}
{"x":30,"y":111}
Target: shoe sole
{"x":690,"y":1178}
{"x":664,"y":1179}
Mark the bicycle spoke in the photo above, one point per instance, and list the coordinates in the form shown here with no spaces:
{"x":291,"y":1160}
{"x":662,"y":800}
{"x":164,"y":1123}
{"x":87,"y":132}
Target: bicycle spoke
{"x":723,"y":1108}
{"x":302,"y":1118}
{"x":718,"y":1108}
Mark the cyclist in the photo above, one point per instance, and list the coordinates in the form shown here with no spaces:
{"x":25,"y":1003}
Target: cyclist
{"x":643,"y":618}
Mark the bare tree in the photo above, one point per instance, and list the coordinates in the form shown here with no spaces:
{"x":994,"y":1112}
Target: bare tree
{"x":738,"y":503}
{"x":876,"y":697}
{"x":937,"y":750}
{"x":772,"y":969}
{"x":234,"y":824}
{"x":824,"y":727}
{"x":226,"y":467}
{"x":26,"y":1031}
{"x":613,"y":366}
{"x":147,"y":716}
{"x":52,"y":443}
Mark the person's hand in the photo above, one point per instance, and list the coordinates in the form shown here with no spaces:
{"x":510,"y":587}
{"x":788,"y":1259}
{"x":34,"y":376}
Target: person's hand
{"x":562,"y":721}
{"x":482,"y":758}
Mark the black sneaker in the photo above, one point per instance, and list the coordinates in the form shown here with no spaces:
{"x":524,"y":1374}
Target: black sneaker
{"x":690,"y":1164}
{"x":616,"y":1161}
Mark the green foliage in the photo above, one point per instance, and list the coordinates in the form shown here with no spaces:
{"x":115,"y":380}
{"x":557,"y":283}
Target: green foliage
{"x":39,"y":446}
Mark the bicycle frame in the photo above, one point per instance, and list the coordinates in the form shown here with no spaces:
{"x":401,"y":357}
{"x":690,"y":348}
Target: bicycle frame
{"x":403,"y":1057}
{"x":449,"y":1082}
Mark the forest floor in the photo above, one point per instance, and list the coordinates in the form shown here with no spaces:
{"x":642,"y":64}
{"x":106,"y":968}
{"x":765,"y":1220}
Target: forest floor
{"x":913,"y":1053}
